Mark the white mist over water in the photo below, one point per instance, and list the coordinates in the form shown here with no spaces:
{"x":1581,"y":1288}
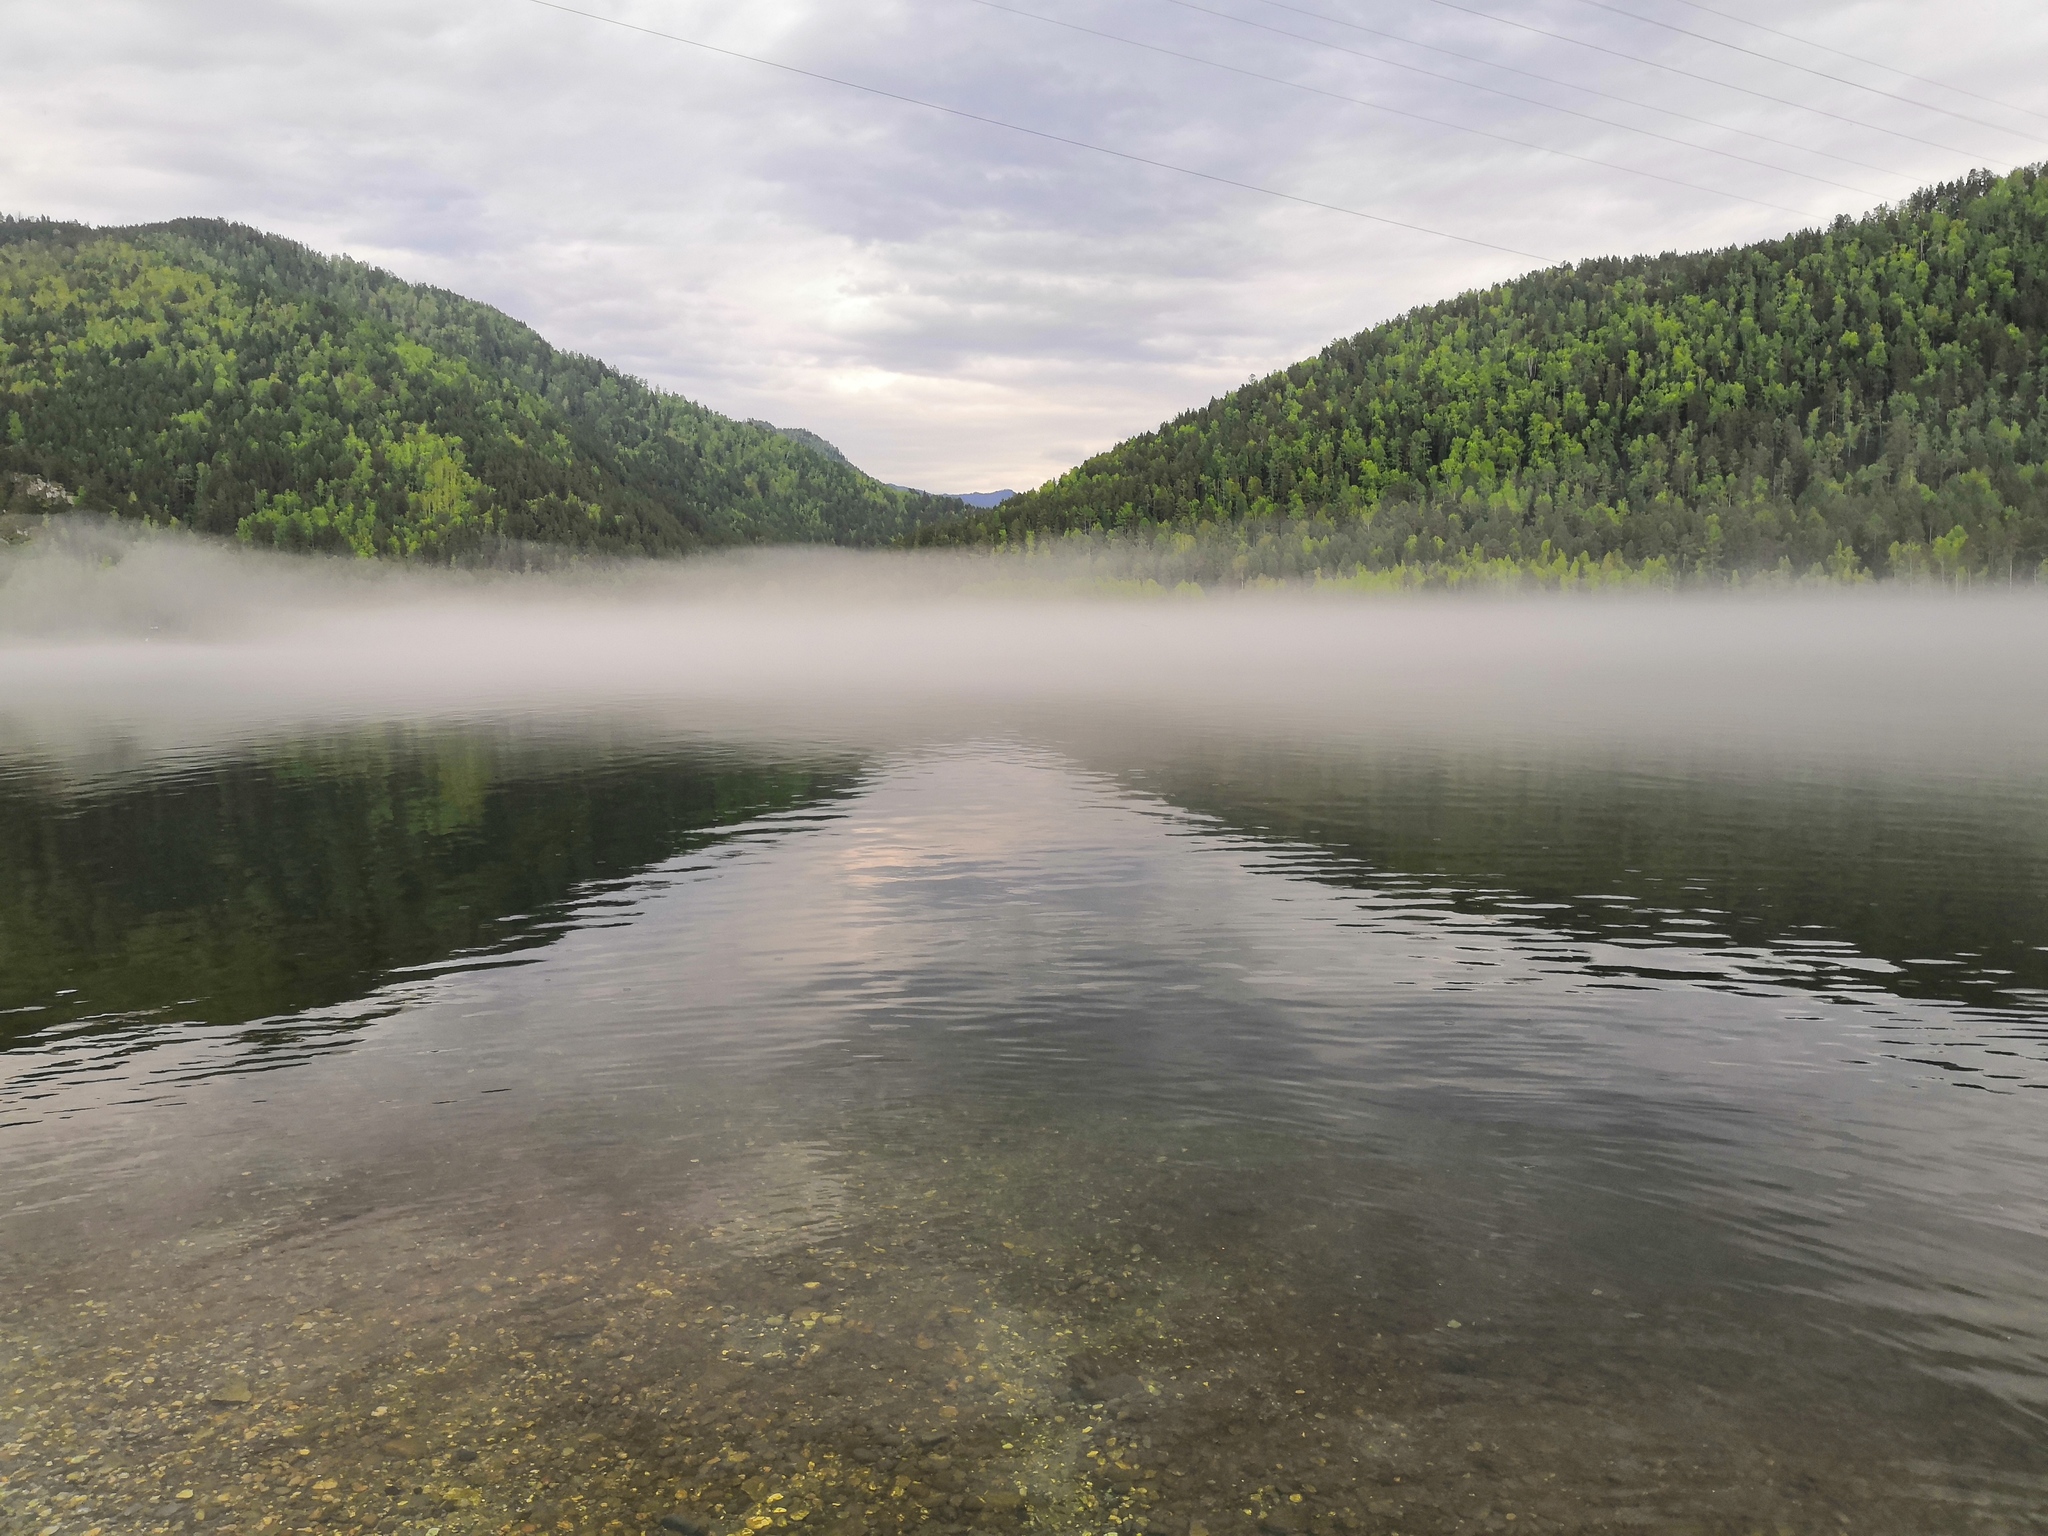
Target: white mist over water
{"x":1692,"y":1071}
{"x":151,"y":644}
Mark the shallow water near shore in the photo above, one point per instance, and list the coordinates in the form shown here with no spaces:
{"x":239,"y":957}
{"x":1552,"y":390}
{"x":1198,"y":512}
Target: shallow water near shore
{"x":1064,"y":1121}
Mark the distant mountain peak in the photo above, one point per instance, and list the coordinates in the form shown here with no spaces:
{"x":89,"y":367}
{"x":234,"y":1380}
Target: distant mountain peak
{"x":980,"y":500}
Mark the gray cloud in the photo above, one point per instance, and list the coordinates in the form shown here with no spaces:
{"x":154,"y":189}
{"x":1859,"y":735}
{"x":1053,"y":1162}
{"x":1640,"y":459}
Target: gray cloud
{"x":955,"y":305}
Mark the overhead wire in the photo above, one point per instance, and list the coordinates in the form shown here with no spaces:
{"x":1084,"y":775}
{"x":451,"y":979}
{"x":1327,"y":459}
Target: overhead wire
{"x":1569,"y":85}
{"x":1819,"y":74}
{"x":1039,"y":133}
{"x":1470,"y":85}
{"x":1857,"y":58}
{"x":1359,"y":101}
{"x":1673,"y":69}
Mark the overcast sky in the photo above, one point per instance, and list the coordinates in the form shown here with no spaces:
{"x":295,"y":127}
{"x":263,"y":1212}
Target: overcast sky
{"x":963,"y":307}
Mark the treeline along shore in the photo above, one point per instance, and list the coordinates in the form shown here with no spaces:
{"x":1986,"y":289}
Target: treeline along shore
{"x":1843,"y":404}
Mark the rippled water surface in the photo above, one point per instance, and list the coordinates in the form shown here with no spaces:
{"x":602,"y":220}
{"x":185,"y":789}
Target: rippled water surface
{"x":1064,"y":1126}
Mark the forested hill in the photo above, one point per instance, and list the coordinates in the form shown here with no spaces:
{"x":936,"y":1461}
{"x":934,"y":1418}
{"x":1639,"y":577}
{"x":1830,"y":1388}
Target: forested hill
{"x":1865,"y":398}
{"x":239,"y":383}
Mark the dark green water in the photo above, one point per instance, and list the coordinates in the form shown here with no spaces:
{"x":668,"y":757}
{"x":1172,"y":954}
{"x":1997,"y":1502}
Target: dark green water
{"x":1064,"y":1127}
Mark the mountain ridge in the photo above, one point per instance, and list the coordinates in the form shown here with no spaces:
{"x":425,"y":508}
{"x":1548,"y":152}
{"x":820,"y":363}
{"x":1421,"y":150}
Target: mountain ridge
{"x":209,"y":374}
{"x":1867,"y":398}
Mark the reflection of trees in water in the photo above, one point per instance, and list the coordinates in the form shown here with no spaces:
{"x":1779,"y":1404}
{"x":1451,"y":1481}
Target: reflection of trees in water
{"x":1824,"y":871}
{"x":250,"y":890}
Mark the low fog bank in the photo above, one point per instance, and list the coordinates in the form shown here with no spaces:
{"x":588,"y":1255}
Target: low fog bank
{"x":156,"y":644}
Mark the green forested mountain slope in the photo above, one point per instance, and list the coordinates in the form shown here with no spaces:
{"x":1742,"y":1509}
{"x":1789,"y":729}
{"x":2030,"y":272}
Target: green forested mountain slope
{"x":239,"y":383}
{"x":1867,"y":397}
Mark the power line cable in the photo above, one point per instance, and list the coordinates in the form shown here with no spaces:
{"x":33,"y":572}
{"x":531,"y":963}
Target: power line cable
{"x":1040,"y":133}
{"x":1673,"y":69}
{"x":1605,"y":122}
{"x":1359,"y":101}
{"x":1819,"y":74}
{"x":1569,"y":85}
{"x":1857,"y":58}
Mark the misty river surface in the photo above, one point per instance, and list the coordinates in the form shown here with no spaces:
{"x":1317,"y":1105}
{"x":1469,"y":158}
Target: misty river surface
{"x":1036,"y":1120}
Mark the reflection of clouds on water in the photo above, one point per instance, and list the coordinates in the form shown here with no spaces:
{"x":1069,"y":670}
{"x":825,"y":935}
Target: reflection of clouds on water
{"x":1124,"y":961}
{"x":1023,"y":1065}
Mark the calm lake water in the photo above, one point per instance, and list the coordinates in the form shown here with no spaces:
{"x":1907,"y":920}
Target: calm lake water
{"x":1047,"y":1121}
